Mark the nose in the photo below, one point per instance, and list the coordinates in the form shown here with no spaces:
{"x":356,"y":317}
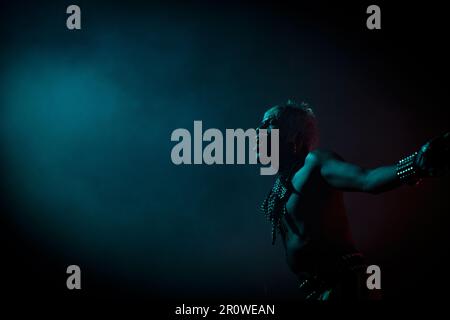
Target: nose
{"x":258,"y":135}
{"x":255,"y":148}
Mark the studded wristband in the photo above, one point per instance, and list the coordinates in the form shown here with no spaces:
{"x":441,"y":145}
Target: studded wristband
{"x":407,"y":171}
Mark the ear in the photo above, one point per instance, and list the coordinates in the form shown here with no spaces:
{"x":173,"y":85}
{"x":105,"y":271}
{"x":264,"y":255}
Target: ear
{"x":297,"y":143}
{"x":298,"y":140}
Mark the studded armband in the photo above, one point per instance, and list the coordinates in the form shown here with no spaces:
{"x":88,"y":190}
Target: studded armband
{"x":407,"y":171}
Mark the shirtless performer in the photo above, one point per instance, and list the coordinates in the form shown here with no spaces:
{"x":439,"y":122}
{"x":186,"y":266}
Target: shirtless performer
{"x":306,"y":207}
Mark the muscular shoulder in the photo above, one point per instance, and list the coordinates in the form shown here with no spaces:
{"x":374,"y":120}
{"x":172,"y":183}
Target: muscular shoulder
{"x":317,"y":157}
{"x":308,"y":176}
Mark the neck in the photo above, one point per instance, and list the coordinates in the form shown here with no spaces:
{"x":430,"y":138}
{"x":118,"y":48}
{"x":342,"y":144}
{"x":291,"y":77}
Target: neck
{"x":291,"y":164}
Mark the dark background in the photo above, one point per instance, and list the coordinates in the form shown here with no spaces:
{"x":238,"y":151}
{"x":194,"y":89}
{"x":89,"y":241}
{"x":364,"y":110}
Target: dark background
{"x":86,"y":118}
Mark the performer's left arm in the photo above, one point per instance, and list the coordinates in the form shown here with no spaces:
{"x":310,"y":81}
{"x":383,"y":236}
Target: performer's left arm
{"x":431,"y":160}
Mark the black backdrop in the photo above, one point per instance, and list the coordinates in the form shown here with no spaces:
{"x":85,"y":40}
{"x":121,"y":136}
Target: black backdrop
{"x":86,"y":123}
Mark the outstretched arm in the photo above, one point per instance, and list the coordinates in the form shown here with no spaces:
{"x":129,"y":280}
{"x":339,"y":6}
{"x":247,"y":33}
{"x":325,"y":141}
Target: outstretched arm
{"x":349,"y":177}
{"x":431,"y":160}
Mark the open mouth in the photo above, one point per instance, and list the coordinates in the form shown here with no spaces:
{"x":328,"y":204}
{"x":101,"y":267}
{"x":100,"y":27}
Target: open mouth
{"x":259,"y":148}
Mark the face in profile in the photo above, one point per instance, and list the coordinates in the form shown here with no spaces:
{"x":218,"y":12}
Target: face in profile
{"x":273,"y":119}
{"x":268,"y":123}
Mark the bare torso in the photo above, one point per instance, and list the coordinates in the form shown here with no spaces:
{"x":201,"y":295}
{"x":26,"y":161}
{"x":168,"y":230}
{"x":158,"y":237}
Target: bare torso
{"x":316,"y":228}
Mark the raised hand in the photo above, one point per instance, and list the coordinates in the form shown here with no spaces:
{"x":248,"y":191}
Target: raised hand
{"x":433,"y":158}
